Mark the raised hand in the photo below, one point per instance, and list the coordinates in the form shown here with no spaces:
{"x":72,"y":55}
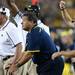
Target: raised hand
{"x":13,"y":7}
{"x":62,"y":4}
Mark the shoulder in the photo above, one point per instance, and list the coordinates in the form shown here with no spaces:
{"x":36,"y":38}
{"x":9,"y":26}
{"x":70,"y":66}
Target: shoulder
{"x":36,"y":29}
{"x":11,"y":27}
{"x":35,"y":32}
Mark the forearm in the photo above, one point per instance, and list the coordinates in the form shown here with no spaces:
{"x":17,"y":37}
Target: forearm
{"x":28,"y":54}
{"x":66,"y":15}
{"x":20,"y":57}
{"x":67,"y":18}
{"x":14,"y":9}
{"x":24,"y":59}
{"x":68,"y":53}
{"x":18,"y":52}
{"x":9,"y":3}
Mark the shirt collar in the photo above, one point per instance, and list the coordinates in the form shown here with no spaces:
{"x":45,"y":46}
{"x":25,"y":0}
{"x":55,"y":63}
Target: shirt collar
{"x":39,"y":22}
{"x":5,"y":25}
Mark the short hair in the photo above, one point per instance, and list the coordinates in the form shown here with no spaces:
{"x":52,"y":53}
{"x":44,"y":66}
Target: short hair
{"x":31,"y":16}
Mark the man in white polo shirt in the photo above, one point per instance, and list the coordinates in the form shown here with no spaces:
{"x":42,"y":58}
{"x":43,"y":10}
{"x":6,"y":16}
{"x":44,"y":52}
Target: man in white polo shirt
{"x":17,"y":17}
{"x":10,"y":43}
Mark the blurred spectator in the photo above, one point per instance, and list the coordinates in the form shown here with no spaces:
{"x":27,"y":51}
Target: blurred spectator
{"x":57,"y":40}
{"x":67,"y":39}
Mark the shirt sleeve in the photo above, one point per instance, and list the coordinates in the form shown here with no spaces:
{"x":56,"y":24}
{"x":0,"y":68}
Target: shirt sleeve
{"x":18,"y":20}
{"x":44,"y":27}
{"x":13,"y":34}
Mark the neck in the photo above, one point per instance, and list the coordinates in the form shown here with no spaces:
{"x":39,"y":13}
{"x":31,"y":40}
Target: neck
{"x":31,"y":28}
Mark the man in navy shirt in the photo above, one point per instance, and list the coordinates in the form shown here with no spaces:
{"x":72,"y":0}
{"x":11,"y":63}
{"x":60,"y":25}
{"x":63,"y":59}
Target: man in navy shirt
{"x":39,"y":47}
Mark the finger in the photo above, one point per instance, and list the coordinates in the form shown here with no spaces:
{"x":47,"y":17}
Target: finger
{"x":10,"y":73}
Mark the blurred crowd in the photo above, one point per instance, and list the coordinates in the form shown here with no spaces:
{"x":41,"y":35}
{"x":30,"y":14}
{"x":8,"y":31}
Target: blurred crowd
{"x":48,"y":8}
{"x":64,"y":40}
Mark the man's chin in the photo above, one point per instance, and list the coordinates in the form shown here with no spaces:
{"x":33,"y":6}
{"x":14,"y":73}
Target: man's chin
{"x":25,"y":29}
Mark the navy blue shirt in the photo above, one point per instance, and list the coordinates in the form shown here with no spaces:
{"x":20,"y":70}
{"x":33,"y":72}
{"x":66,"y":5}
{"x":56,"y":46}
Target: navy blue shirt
{"x":72,"y":47}
{"x":38,"y":39}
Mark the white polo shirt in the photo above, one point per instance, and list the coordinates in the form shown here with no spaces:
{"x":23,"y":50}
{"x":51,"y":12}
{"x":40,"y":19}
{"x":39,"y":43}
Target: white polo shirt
{"x":46,"y":28}
{"x":22,"y":32}
{"x":9,"y":38}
